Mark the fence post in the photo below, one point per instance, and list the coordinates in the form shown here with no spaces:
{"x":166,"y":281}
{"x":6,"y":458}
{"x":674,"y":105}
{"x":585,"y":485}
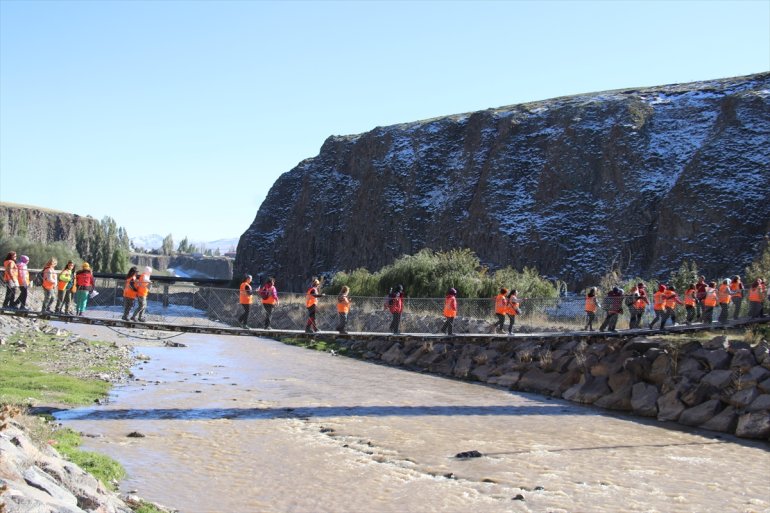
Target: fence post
{"x":165,"y":295}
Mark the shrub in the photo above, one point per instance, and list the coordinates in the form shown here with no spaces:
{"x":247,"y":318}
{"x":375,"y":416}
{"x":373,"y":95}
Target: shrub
{"x":38,"y":253}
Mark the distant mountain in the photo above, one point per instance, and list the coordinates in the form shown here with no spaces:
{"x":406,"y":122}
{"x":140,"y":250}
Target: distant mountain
{"x":155,"y":241}
{"x":639,"y":179}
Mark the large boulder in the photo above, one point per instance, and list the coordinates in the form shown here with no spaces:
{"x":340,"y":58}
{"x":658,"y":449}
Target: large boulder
{"x":644,"y":399}
{"x":743,"y":360}
{"x":718,"y":378}
{"x":713,"y":359}
{"x":724,"y":421}
{"x":669,"y":406}
{"x":588,"y":391}
{"x":700,"y":414}
{"x":743,"y":398}
{"x":760,"y":403}
{"x":754,"y":425}
{"x":618,"y":400}
{"x":506,"y":380}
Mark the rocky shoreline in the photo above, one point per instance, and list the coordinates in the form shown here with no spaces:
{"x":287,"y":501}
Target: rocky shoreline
{"x":34,"y":477}
{"x":718,"y":384}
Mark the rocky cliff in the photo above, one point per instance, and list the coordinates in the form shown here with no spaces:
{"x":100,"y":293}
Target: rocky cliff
{"x":43,"y":225}
{"x":637,"y":178}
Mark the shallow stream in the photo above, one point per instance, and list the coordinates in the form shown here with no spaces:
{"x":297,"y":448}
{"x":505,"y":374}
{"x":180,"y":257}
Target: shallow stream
{"x":242,"y":425}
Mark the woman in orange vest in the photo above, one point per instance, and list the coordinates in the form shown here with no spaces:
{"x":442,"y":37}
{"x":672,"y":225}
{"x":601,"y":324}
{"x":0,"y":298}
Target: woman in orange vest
{"x":670,"y":300}
{"x":724,"y":295}
{"x":343,"y":308}
{"x":245,"y":298}
{"x":129,"y":292}
{"x":709,"y":302}
{"x":658,"y":305}
{"x":64,"y":286}
{"x":501,"y":304}
{"x":736,"y":290}
{"x":311,"y":303}
{"x":11,"y":279}
{"x":84,"y":281}
{"x":450,"y":311}
{"x":143,"y":284}
{"x":755,"y":299}
{"x":512,"y":309}
{"x":689,"y":303}
{"x":591,"y":306}
{"x":49,"y":285}
{"x":269,"y":295}
{"x":23,"y":272}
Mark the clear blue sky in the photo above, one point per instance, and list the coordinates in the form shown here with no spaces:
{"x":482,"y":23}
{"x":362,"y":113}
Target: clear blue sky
{"x":177,"y":116}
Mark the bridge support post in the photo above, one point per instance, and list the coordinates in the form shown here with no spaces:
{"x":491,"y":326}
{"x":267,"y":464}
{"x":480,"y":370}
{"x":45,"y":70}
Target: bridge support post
{"x":165,"y":296}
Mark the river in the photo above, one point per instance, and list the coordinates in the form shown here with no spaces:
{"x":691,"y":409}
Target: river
{"x":244,"y":425}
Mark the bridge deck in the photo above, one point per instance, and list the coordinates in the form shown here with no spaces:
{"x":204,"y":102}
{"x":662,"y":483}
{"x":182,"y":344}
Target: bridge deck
{"x":274,"y":333}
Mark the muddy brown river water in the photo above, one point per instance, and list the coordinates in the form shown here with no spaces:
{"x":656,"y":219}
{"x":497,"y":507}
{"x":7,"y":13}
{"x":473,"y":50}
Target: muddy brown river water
{"x":242,"y":425}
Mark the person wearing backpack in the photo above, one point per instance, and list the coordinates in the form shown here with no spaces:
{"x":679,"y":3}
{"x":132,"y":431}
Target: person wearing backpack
{"x":50,"y":277}
{"x":269,"y":296}
{"x":395,"y":304}
{"x":245,"y":299}
{"x":84,"y":283}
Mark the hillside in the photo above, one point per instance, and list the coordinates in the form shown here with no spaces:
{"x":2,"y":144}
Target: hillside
{"x":638,"y":178}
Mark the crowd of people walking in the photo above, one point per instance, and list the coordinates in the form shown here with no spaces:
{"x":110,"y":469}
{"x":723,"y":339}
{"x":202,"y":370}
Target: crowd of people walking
{"x":701,"y":301}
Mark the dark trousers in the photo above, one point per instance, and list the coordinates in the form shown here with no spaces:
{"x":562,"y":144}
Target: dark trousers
{"x":395,"y":323}
{"x":63,"y":300}
{"x":244,"y":318}
{"x":724,"y":312}
{"x":21,"y":301}
{"x":659,"y":314}
{"x":10,"y":296}
{"x":141,"y":307}
{"x":342,"y":325}
{"x":512,"y":321}
{"x":635,"y":320}
{"x":590,"y":317}
{"x":690,"y":313}
{"x":755,"y":309}
{"x":448,"y":325}
{"x":738,"y":301}
{"x":609,"y":322}
{"x":699,"y":309}
{"x":311,"y":326}
{"x":668,"y":313}
{"x":708,"y":313}
{"x":128,"y":304}
{"x":268,"y":314}
{"x":500,"y":322}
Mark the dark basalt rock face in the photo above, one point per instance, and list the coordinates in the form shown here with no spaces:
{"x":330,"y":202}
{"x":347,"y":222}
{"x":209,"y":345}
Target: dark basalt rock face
{"x":638,"y":178}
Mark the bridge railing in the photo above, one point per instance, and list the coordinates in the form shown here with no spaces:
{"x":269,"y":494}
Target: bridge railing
{"x":193,"y":305}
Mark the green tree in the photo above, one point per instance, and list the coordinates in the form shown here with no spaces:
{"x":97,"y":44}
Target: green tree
{"x":684,"y":276}
{"x":167,"y":247}
{"x":120,"y":261}
{"x":184,"y":246}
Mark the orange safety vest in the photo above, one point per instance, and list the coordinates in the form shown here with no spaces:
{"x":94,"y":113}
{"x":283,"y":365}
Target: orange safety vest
{"x":10,"y":271}
{"x":736,"y":288}
{"x":128,"y":292}
{"x":724,"y":294}
{"x":500,"y":304}
{"x":513,"y":306}
{"x":590,"y":303}
{"x":669,"y":299}
{"x":310,"y":298}
{"x":450,"y":306}
{"x":65,"y":277}
{"x":23,"y":275}
{"x":711,"y":297}
{"x":245,"y":294}
{"x":689,"y":297}
{"x":343,"y":304}
{"x":49,"y":278}
{"x":755,"y":295}
{"x":143,"y":285}
{"x":658,"y":302}
{"x":640,"y":303}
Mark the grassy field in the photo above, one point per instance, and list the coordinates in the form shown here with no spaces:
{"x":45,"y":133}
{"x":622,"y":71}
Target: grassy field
{"x":28,"y":359}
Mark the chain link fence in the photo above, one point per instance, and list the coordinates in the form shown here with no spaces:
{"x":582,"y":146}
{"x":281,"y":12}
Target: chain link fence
{"x":191,"y":305}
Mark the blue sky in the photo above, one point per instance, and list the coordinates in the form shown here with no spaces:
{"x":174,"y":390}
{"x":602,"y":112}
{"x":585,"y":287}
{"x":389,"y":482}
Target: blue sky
{"x":177,"y":117}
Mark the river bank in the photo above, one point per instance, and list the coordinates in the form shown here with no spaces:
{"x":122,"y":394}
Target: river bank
{"x":53,"y":367}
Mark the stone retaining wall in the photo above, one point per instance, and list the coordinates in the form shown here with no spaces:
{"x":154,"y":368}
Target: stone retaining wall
{"x":720,"y":384}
